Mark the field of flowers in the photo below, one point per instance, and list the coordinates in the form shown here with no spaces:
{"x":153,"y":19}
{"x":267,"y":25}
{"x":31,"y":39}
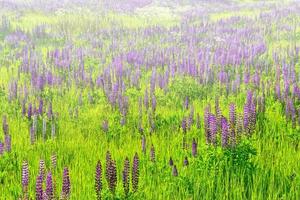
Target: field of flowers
{"x":148,"y":99}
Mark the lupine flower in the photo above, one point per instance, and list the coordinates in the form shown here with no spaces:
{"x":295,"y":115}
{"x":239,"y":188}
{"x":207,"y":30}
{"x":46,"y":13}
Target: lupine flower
{"x":143,"y":144}
{"x":194,"y":147}
{"x":8,"y":143}
{"x":66,"y":186}
{"x":184,"y":125}
{"x":152,"y":153}
{"x":25,"y":176}
{"x":153,"y":102}
{"x":44,"y":129}
{"x":125,"y":177}
{"x":105,"y":126}
{"x":41,"y":105}
{"x":53,"y":161}
{"x":171,"y":161}
{"x":146,"y":100}
{"x":135,"y":173}
{"x":39,"y":188}
{"x":5,"y":125}
{"x":174,"y":171}
{"x":186,"y":103}
{"x":225,"y":127}
{"x":232,"y":114}
{"x":98,"y":180}
{"x":1,"y":148}
{"x":212,"y":128}
{"x":49,"y":187}
{"x":185,"y":161}
{"x":246,"y":118}
{"x":29,"y":112}
{"x":112,"y":176}
{"x":42,"y":168}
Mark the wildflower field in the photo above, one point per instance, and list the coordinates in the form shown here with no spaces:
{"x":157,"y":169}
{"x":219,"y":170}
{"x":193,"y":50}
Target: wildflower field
{"x":149,"y":99}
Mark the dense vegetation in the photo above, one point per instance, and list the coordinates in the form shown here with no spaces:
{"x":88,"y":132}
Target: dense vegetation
{"x":149,"y":99}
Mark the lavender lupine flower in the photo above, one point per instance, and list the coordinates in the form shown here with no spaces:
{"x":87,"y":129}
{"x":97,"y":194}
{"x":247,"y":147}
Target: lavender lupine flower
{"x":174,"y":171}
{"x":53,"y":161}
{"x":212,"y":128}
{"x":135,"y":173}
{"x":29,"y":111}
{"x":171,"y":163}
{"x":66,"y":186}
{"x":32,"y":135}
{"x":184,"y":125}
{"x":39,"y":188}
{"x":23,"y":108}
{"x":125,"y":177}
{"x":185,"y":161}
{"x":41,"y":105}
{"x":144,"y":144}
{"x":8,"y":143}
{"x":1,"y":148}
{"x":50,"y":111}
{"x":53,"y":130}
{"x":42,"y":169}
{"x":206,"y":125}
{"x":146,"y":100}
{"x":152,"y":153}
{"x":98,"y":180}
{"x":232,"y":115}
{"x":5,"y":125}
{"x":153,"y":102}
{"x":225,"y":136}
{"x":25,"y":177}
{"x":112,"y":175}
{"x":44,"y":128}
{"x":49,"y":187}
{"x":194,"y":148}
{"x":246,"y":118}
{"x":186,"y":103}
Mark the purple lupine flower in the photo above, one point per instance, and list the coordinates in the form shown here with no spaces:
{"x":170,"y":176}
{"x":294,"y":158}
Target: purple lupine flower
{"x":42,"y":169}
{"x":32,"y":135}
{"x":66,"y":186}
{"x":184,"y":125}
{"x":185,"y":161}
{"x":146,"y":100}
{"x":29,"y":111}
{"x":50,"y":111}
{"x":112,"y":175}
{"x":98,"y":180}
{"x":25,"y":176}
{"x":135,"y":173}
{"x":144,"y":144}
{"x":175,"y":171}
{"x":23,"y":108}
{"x":5,"y":125}
{"x":206,"y":125}
{"x":246,"y":118}
{"x":53,"y":161}
{"x":171,"y":163}
{"x":1,"y":148}
{"x":125,"y":177}
{"x":152,"y":154}
{"x":39,"y":188}
{"x":224,"y":132}
{"x":186,"y":103}
{"x":49,"y":187}
{"x":153,"y":102}
{"x":41,"y":105}
{"x":212,"y":128}
{"x":194,"y":148}
{"x":8,"y":143}
{"x":232,"y":114}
